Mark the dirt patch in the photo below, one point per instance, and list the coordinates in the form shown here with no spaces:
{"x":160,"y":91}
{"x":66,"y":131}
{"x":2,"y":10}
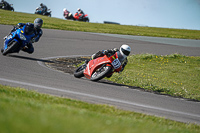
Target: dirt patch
{"x":67,"y":65}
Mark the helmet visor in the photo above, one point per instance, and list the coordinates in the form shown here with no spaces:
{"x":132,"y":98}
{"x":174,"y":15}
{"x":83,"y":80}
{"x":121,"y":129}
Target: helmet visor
{"x":37,"y":25}
{"x":125,"y":51}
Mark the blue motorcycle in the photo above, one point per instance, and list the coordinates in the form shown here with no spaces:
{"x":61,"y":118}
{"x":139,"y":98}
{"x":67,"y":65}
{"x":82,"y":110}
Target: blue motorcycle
{"x":17,"y":40}
{"x":39,"y":11}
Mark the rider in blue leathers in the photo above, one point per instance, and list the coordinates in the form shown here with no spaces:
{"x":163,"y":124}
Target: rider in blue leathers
{"x":31,"y":29}
{"x":44,"y":8}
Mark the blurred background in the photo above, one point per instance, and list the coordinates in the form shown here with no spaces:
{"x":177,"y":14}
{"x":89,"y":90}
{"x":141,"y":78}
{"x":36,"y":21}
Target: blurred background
{"x":180,"y":14}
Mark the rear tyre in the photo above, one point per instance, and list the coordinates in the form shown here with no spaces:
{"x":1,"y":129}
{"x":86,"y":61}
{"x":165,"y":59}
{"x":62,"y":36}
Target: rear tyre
{"x":101,"y":73}
{"x":79,"y":71}
{"x":12,"y":46}
{"x":86,"y":20}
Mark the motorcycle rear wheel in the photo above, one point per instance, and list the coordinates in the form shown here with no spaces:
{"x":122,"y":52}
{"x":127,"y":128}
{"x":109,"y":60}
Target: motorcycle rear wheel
{"x":101,"y":73}
{"x":79,"y":71}
{"x":86,"y":20}
{"x":13,"y":45}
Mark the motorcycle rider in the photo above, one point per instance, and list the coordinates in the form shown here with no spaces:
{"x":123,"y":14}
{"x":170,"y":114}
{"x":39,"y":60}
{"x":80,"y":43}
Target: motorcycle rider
{"x":4,"y":4}
{"x":122,"y":53}
{"x":31,"y":28}
{"x":44,"y":8}
{"x":79,"y":11}
{"x":67,"y":14}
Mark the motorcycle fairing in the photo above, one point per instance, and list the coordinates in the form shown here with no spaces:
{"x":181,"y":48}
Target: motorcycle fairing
{"x":16,"y":37}
{"x":76,"y":15}
{"x":98,"y":62}
{"x":95,"y":64}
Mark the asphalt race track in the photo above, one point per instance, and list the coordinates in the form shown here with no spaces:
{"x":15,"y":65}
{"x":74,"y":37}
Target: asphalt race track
{"x":28,"y":71}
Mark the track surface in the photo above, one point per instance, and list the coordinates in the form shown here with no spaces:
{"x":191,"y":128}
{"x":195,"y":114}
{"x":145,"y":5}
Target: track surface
{"x":27,"y":71}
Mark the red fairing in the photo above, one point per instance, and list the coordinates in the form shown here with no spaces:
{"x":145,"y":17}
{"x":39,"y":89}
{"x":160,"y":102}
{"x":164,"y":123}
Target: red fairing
{"x":76,"y":15}
{"x":93,"y":65}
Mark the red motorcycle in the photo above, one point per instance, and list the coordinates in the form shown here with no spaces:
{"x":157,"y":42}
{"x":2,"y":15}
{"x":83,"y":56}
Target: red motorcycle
{"x":99,"y":68}
{"x":81,"y":17}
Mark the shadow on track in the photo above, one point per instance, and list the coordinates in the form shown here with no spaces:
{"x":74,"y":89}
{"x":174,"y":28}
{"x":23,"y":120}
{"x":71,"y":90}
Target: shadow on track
{"x":30,"y":58}
{"x":103,"y":81}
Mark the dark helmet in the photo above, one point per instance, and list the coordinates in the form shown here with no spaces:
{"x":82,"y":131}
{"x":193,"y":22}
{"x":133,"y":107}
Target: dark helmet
{"x":38,"y":23}
{"x":29,"y":29}
{"x":41,"y":4}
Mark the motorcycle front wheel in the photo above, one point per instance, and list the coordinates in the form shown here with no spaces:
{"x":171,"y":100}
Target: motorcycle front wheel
{"x":79,"y":71}
{"x":101,"y":73}
{"x":12,"y":46}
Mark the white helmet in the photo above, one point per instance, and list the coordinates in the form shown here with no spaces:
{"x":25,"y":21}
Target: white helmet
{"x":125,"y":50}
{"x":64,"y":9}
{"x":78,"y":9}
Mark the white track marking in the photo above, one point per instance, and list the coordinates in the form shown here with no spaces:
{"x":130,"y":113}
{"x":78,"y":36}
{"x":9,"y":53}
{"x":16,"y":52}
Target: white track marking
{"x":99,"y":97}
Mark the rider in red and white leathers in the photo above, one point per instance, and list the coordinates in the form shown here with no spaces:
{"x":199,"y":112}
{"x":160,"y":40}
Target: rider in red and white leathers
{"x":122,"y":53}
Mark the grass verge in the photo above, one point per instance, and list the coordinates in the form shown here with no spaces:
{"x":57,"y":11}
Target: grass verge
{"x":175,"y":74}
{"x":24,"y":111}
{"x":29,"y":111}
{"x":12,"y":18}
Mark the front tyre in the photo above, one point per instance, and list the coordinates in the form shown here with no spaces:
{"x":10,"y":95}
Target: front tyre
{"x":101,"y":73}
{"x":79,"y":71}
{"x":12,"y":46}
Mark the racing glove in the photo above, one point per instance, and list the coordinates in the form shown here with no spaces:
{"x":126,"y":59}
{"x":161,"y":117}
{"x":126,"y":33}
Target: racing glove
{"x":115,"y":49}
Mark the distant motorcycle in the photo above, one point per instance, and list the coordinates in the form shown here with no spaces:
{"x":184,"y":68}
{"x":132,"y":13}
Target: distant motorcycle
{"x":69,"y":16}
{"x":6,"y":7}
{"x":81,"y":17}
{"x":99,"y":68}
{"x":39,"y":11}
{"x":17,"y":40}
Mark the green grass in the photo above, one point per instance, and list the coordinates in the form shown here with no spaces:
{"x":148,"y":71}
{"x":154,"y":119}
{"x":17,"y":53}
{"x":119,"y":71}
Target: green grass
{"x":28,"y":111}
{"x":175,"y":75}
{"x":12,"y":18}
{"x":23,"y":111}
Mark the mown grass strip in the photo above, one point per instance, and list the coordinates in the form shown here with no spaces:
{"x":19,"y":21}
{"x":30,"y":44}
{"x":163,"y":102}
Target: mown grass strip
{"x":28,"y":111}
{"x":175,"y":74}
{"x":12,"y":18}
